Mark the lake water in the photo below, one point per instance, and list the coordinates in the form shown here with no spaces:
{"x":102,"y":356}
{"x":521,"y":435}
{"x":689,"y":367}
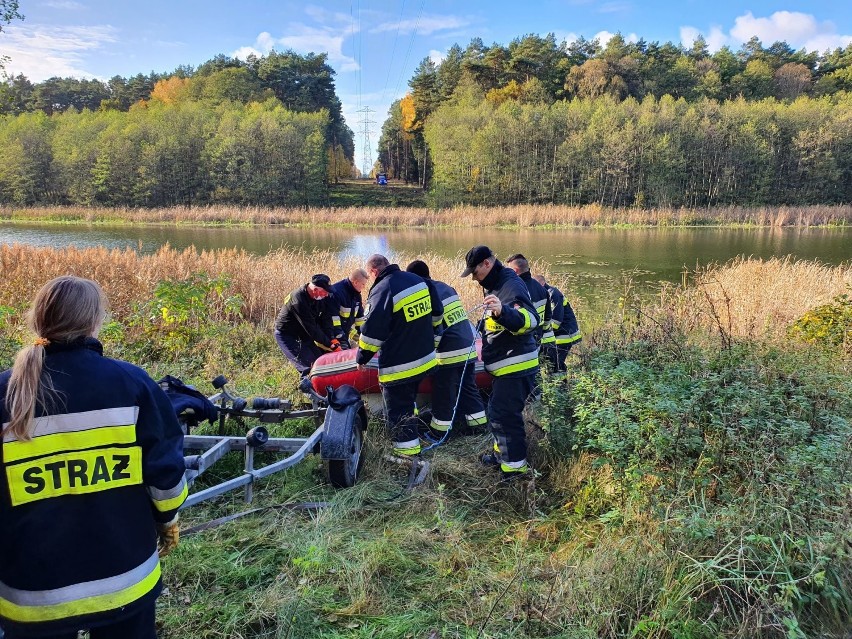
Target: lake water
{"x":594,"y":259}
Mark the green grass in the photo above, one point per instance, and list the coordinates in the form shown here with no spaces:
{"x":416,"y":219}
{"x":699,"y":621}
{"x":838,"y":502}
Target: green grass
{"x":368,"y":193}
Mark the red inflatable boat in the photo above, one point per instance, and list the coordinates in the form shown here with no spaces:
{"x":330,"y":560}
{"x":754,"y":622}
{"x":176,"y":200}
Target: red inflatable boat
{"x":338,"y":368}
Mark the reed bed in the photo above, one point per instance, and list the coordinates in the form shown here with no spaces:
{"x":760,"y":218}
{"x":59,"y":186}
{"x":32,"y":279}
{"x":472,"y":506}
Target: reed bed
{"x":758,"y":299}
{"x":524,"y":215}
{"x":129,"y":278}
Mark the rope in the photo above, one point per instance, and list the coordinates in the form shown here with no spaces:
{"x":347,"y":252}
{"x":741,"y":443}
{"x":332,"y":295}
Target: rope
{"x":434,"y":443}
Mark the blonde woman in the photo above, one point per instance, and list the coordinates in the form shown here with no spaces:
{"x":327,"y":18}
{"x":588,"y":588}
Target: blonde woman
{"x":91,"y":473}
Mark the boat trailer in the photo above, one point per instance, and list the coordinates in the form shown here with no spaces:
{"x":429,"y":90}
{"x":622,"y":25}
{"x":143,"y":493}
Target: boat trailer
{"x":340,"y":418}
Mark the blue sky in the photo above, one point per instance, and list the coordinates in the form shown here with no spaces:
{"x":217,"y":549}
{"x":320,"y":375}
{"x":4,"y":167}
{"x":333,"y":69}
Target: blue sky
{"x":375,"y":46}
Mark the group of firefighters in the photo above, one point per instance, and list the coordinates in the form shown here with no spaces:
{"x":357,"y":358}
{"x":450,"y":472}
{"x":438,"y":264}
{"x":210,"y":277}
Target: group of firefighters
{"x":418,"y":326}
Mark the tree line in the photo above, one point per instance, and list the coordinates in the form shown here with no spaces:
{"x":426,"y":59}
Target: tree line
{"x":625,"y":123}
{"x":302,"y":83}
{"x":160,"y":154}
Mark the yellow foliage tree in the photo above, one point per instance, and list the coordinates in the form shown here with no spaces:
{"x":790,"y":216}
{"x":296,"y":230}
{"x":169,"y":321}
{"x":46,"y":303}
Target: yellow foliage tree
{"x":409,"y":114}
{"x":171,"y":90}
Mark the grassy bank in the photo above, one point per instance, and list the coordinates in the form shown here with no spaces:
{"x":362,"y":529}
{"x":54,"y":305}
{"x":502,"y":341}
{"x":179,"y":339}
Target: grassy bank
{"x":694,"y":468}
{"x":522,"y":216}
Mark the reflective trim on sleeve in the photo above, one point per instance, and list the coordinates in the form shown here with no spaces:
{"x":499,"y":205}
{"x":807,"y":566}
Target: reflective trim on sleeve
{"x":576,"y":336}
{"x":514,"y":364}
{"x":89,"y":597}
{"x":548,"y":337}
{"x":369,"y":344}
{"x":409,"y":369}
{"x":555,"y":323}
{"x":345,"y":312}
{"x":165,"y":500}
{"x":529,"y":322}
{"x":335,"y":320}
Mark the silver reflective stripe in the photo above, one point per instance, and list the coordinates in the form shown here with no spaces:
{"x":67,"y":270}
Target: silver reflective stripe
{"x":409,"y":444}
{"x":517,"y":359}
{"x":372,"y":342}
{"x":517,"y":464}
{"x":449,"y":300}
{"x":456,"y":353}
{"x":76,"y":592}
{"x":171,"y":493}
{"x":479,"y":415}
{"x":441,"y":424}
{"x":401,"y":368}
{"x":345,"y":311}
{"x":74,"y":422}
{"x":409,"y":291}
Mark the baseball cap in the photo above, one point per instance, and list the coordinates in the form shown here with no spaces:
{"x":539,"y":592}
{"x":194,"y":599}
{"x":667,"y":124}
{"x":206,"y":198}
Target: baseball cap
{"x":474,"y":257}
{"x":322,"y":280}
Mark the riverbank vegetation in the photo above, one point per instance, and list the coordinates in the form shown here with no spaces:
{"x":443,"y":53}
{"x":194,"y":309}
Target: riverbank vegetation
{"x":694,"y":467}
{"x":461,"y":216}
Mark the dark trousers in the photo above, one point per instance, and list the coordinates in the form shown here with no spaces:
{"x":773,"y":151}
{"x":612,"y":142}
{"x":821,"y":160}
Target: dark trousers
{"x":447,"y":384}
{"x":399,"y":401}
{"x":301,"y":352}
{"x":139,"y":626}
{"x":506,"y":411}
{"x":556,"y":354}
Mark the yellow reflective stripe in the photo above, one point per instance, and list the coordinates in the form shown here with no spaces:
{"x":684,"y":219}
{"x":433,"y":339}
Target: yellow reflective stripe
{"x":335,"y":320}
{"x":414,"y":306}
{"x":418,"y":292}
{"x":24,"y":613}
{"x":444,"y":359}
{"x":436,"y":321}
{"x":548,"y":338}
{"x":555,"y":323}
{"x":514,"y":364}
{"x":165,"y":500}
{"x":360,"y":321}
{"x":528,"y":322}
{"x":569,"y":339}
{"x":365,"y":345}
{"x":514,"y":467}
{"x":411,"y":372}
{"x":454,"y":313}
{"x":74,"y":473}
{"x":476,"y":419}
{"x":62,"y":442}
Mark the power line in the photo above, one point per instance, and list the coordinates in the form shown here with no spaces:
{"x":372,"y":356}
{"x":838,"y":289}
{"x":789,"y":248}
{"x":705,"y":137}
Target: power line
{"x":393,"y":51}
{"x":410,"y":44}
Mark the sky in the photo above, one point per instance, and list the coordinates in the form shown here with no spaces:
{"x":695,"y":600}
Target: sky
{"x":375,"y":46}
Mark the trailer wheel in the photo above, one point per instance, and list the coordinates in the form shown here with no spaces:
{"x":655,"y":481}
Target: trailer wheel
{"x":343,"y":473}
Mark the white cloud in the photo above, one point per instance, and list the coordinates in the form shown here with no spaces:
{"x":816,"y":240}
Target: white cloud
{"x":327,"y":37}
{"x":41,"y":52}
{"x":799,"y":30}
{"x":616,"y":6}
{"x":436,"y":56}
{"x":425,"y":25}
{"x":605,"y":36}
{"x":64,"y":4}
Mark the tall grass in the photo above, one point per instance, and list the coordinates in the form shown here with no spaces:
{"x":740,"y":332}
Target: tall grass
{"x":526,"y":215}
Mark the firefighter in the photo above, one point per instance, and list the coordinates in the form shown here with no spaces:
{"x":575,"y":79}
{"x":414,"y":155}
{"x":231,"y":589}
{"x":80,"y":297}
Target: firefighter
{"x":539,"y":297}
{"x":400,"y":318}
{"x":451,"y":378}
{"x":303,"y":328}
{"x":565,"y":328}
{"x":347,"y":306}
{"x":91,"y":475}
{"x":510,"y":354}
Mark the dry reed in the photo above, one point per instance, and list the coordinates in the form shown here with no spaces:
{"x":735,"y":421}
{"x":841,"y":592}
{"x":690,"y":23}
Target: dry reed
{"x":747,"y":297}
{"x":524,"y":215}
{"x":753,"y":298}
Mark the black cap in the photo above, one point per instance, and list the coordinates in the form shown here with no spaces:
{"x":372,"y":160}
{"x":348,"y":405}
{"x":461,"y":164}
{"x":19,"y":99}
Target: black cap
{"x":322,"y":280}
{"x":474,"y":257}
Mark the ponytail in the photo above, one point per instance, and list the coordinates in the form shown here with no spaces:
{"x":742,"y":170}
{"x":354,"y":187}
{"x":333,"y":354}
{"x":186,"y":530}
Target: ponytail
{"x":24,"y":391}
